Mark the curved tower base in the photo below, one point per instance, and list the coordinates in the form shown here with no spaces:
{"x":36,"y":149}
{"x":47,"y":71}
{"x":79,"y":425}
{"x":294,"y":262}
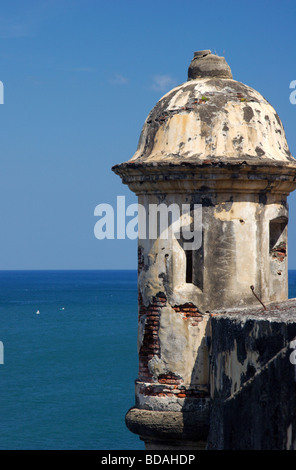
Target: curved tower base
{"x":171,"y":430}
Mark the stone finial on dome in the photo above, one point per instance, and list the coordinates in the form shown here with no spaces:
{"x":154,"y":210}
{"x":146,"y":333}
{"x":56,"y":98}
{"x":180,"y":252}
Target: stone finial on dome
{"x":205,"y":64}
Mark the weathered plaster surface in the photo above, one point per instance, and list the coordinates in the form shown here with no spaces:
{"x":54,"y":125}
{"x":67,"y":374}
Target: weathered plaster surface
{"x":217,"y":143}
{"x":212,"y":118}
{"x":236,"y":253}
{"x":182,"y":346}
{"x":253,"y":386}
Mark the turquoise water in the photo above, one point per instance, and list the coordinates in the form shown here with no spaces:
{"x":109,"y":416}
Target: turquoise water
{"x":292,"y":284}
{"x":68,"y":373}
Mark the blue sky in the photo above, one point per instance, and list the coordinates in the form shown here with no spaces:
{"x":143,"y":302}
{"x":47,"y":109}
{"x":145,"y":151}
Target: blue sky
{"x":79,"y":79}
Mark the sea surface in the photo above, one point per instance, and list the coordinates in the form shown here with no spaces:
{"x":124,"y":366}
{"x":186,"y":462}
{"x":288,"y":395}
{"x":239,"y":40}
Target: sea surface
{"x":68,"y":375}
{"x":70,"y":359}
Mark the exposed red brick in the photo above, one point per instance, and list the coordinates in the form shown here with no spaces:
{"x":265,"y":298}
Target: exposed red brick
{"x":170,"y":378}
{"x":150,"y":345}
{"x":161,"y":390}
{"x":280,"y":251}
{"x":189,"y":311}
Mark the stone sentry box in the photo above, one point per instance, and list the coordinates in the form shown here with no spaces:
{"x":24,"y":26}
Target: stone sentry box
{"x":214,"y":143}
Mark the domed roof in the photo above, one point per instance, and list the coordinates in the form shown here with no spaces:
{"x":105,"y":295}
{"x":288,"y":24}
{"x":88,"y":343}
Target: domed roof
{"x":214,"y":119}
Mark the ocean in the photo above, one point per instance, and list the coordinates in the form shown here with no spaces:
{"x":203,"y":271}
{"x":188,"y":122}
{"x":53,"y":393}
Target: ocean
{"x":70,"y":359}
{"x":69,"y":371}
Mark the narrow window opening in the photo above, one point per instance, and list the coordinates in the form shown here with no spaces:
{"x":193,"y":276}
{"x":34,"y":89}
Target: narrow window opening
{"x":189,"y":266}
{"x":278,"y":238}
{"x":194,"y":259}
{"x":276,"y":229}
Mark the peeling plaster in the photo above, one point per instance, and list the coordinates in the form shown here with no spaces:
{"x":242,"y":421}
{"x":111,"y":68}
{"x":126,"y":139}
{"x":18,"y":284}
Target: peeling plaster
{"x":180,"y":344}
{"x":228,"y":365}
{"x":157,"y":366}
{"x":219,"y":143}
{"x":141,"y":330}
{"x":230,"y":113}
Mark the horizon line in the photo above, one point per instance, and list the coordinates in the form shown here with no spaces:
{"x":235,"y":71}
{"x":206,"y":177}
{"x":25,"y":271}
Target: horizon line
{"x":80,"y":269}
{"x":68,"y":269}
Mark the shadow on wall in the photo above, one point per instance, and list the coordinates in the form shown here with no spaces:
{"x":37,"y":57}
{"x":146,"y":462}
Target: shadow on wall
{"x":196,"y":407}
{"x":256,"y":410}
